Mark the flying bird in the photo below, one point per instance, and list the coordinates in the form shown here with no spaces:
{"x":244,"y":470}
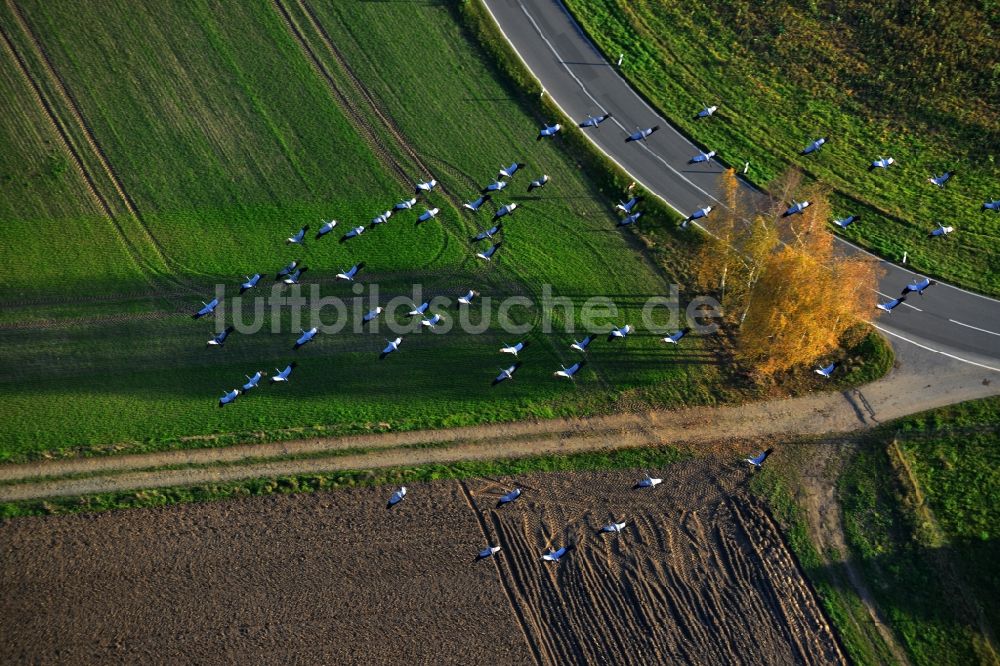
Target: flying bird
{"x":890,"y":305}
{"x":488,"y":254}
{"x":286,"y":270}
{"x":391,"y":347}
{"x":940,"y":231}
{"x":506,"y":373}
{"x":698,"y":214}
{"x":207,"y":308}
{"x":406,"y":204}
{"x":648,"y":482}
{"x":548,"y":131}
{"x":702,"y":157}
{"x":351,"y":272}
{"x":253,"y":381}
{"x":813,"y":147}
{"x":594,"y":121}
{"x":881,"y":163}
{"x":381,"y":218}
{"x":626,"y":207}
{"x":306,"y":337}
{"x":797,"y":207}
{"x":508,"y":209}
{"x":326,"y":228}
{"x":991,"y":205}
{"x":432,"y":322}
{"x":220,"y":339}
{"x":299,"y":236}
{"x":942,"y":179}
{"x":397,"y":497}
{"x":489,"y":551}
{"x":356,"y":231}
{"x":514,"y":349}
{"x":581,"y":345}
{"x":467,"y":298}
{"x":827,"y":371}
{"x":425,"y":187}
{"x":620,"y":333}
{"x":640,"y":135}
{"x":418,"y":310}
{"x":508,"y":172}
{"x":538,"y":182}
{"x":489,"y":233}
{"x":758,"y":459}
{"x":918,"y":286}
{"x":427,"y":215}
{"x":554,"y":555}
{"x":282,"y":375}
{"x":569,"y":372}
{"x":614,"y":527}
{"x":251,"y":282}
{"x":509,"y":497}
{"x":293,"y":278}
{"x":845,"y":222}
{"x":475,"y":205}
{"x":229,"y":397}
{"x":631,"y":219}
{"x":676,"y":336}
{"x":495,"y":186}
{"x":371,"y":314}
{"x":707,"y":112}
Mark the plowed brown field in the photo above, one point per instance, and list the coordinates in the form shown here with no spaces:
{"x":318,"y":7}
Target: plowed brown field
{"x":699,"y":575}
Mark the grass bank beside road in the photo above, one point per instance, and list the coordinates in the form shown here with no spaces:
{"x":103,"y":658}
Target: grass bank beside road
{"x":915,"y":83}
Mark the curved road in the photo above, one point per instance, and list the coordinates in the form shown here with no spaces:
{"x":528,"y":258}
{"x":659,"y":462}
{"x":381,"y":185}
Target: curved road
{"x":946,"y":320}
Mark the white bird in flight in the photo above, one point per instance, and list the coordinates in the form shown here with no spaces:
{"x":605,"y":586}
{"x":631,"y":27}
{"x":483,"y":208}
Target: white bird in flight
{"x":548,"y":131}
{"x":508,"y":172}
{"x":509,"y":497}
{"x":475,"y":205}
{"x":942,"y":179}
{"x":489,"y":551}
{"x":827,"y":371}
{"x":406,"y":204}
{"x":918,"y":286}
{"x":371,"y":314}
{"x":991,"y":205}
{"x":282,"y":375}
{"x":813,"y":147}
{"x":432,"y":322}
{"x":220,"y":339}
{"x":299,"y":236}
{"x":620,"y":333}
{"x":891,"y":305}
{"x":631,"y":219}
{"x":941,"y":231}
{"x":229,"y":397}
{"x":581,"y":345}
{"x":758,"y":459}
{"x":881,"y":163}
{"x":614,"y":527}
{"x":698,"y":214}
{"x":207,"y":308}
{"x":428,"y":215}
{"x":489,"y":233}
{"x":467,"y":298}
{"x":505,"y":210}
{"x":326,"y":228}
{"x":351,"y":272}
{"x":251,"y":282}
{"x":397,"y":497}
{"x":391,"y":347}
{"x":554,"y":555}
{"x":495,"y":186}
{"x":418,"y":310}
{"x":293,"y":278}
{"x":702,"y":157}
{"x":648,"y":482}
{"x":353,"y":233}
{"x":568,"y":373}
{"x":381,"y":218}
{"x":796,"y":208}
{"x":845,"y":222}
{"x":594,"y":121}
{"x":306,"y":337}
{"x":506,"y":373}
{"x":641,"y":134}
{"x":676,"y":336}
{"x":706,"y":112}
{"x":425,"y":187}
{"x":252,"y":381}
{"x":487,"y":255}
{"x":286,"y":270}
{"x":514,"y":349}
{"x":626,"y":207}
{"x":538,"y":182}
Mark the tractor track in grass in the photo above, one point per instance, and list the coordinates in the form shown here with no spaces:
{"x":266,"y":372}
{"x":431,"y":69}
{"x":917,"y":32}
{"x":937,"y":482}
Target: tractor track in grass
{"x":70,"y":104}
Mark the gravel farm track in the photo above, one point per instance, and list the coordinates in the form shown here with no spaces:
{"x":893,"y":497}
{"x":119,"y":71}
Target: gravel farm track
{"x":700,"y":574}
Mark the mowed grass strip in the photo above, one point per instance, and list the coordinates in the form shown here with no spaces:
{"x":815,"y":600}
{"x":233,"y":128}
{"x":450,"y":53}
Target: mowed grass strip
{"x":808,"y":71}
{"x":228,"y":141}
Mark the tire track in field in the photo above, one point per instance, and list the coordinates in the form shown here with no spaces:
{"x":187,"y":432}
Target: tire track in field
{"x":70,"y":103}
{"x":503,"y":579}
{"x":77,"y":160}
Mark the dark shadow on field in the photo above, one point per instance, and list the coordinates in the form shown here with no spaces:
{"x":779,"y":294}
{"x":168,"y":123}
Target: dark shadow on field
{"x":932,"y":584}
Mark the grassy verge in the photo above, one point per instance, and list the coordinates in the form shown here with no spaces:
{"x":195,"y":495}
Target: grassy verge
{"x":921,"y":515}
{"x":785,"y":73}
{"x":647,"y":458}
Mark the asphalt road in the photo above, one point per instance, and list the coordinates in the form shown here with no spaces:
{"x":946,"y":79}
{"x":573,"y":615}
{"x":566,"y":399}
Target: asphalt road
{"x":946,"y":319}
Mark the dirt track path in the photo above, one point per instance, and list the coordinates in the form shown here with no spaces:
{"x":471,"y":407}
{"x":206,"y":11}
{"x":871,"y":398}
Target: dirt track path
{"x":906,"y":390}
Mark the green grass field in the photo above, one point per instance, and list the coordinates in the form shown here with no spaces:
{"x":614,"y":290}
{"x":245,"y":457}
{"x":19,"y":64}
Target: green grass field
{"x":216,"y":139}
{"x":920,"y":87}
{"x":920,"y":510}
